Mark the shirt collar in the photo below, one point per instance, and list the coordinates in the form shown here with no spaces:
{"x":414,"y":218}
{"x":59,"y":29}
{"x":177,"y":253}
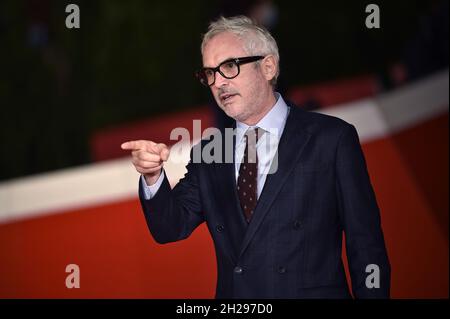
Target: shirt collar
{"x":272,"y":122}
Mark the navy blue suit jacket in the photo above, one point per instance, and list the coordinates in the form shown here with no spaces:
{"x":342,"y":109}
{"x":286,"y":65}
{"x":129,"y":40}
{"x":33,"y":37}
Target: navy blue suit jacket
{"x":293,"y":244}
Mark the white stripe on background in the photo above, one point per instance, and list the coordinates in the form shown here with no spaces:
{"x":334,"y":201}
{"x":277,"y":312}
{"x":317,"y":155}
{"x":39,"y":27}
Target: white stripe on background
{"x":365,"y":116}
{"x":115,"y":180}
{"x":416,"y":103}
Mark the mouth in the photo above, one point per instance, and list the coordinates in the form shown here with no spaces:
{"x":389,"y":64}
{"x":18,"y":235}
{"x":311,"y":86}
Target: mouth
{"x":226,"y":97}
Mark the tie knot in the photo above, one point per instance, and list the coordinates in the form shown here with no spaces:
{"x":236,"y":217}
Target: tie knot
{"x":254,"y":134}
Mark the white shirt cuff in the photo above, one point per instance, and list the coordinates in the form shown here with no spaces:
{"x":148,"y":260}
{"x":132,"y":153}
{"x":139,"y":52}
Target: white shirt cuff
{"x":150,"y":191}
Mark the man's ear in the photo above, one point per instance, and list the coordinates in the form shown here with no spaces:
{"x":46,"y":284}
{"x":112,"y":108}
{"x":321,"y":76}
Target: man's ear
{"x":269,"y":67}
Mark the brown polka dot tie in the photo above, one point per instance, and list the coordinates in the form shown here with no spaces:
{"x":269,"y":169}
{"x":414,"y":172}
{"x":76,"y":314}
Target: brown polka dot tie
{"x":248,"y":172}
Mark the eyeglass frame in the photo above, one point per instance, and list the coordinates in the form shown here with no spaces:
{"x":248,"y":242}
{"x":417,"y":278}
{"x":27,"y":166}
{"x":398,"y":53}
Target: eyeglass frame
{"x":238,"y":61}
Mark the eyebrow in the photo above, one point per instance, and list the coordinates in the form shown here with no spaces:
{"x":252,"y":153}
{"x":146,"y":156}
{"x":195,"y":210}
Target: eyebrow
{"x":212,"y":67}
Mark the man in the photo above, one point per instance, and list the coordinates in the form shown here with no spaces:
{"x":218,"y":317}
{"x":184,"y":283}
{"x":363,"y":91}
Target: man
{"x":278,"y":232}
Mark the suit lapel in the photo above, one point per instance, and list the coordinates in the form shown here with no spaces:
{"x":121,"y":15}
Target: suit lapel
{"x":291,"y":144}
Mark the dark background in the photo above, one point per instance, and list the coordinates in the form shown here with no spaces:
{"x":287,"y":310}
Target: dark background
{"x":135,"y":59}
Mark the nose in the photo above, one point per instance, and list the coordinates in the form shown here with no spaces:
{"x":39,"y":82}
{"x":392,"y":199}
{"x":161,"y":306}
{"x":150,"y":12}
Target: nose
{"x":220,"y":80}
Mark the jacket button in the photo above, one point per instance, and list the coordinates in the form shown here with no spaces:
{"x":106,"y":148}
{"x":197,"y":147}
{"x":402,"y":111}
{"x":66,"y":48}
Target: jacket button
{"x":238,"y":270}
{"x":297,"y":224}
{"x":281,"y":270}
{"x":219,"y":228}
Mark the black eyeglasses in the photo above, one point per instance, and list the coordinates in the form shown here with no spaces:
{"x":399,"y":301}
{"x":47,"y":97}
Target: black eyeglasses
{"x":229,"y":69}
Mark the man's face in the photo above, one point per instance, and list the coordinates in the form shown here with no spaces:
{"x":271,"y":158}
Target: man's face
{"x":245,"y":97}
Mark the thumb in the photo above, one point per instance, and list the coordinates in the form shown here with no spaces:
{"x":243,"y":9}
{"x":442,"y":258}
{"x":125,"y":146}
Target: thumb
{"x":162,"y":150}
{"x":165,"y":154}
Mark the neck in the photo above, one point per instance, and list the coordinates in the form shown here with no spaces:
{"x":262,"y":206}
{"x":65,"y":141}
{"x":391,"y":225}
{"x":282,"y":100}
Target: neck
{"x":268,"y":105}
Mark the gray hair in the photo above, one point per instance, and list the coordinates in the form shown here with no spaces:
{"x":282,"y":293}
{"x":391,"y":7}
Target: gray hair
{"x":257,"y":40}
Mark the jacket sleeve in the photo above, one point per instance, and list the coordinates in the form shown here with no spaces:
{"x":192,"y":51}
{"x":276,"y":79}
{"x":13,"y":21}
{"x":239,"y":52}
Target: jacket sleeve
{"x":360,"y":217}
{"x":173,"y":214}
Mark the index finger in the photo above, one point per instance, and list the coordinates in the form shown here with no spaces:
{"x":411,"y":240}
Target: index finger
{"x":134,"y":145}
